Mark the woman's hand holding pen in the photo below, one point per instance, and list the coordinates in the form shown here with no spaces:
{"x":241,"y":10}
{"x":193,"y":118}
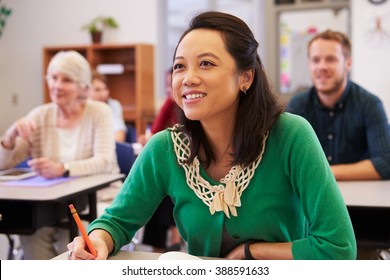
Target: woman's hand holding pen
{"x":77,"y":249}
{"x":46,"y":168}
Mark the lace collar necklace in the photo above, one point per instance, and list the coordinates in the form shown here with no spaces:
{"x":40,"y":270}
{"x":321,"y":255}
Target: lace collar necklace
{"x":225,"y":196}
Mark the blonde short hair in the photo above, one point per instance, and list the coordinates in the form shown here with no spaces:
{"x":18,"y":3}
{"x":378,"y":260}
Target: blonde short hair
{"x":73,"y":65}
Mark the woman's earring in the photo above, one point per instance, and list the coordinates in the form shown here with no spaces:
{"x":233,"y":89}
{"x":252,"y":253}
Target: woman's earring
{"x":244,"y":89}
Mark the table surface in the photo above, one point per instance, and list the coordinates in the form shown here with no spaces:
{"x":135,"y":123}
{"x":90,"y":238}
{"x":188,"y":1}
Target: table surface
{"x":122,"y":255}
{"x":55,"y":192}
{"x":366,"y":193}
{"x":355,"y":193}
{"x":136,"y":255}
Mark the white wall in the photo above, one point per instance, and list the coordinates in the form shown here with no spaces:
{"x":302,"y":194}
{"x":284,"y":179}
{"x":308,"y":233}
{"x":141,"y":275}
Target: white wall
{"x":39,"y":23}
{"x":371,"y":49}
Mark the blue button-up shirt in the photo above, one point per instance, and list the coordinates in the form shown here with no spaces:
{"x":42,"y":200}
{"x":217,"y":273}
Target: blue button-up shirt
{"x":355,"y":129}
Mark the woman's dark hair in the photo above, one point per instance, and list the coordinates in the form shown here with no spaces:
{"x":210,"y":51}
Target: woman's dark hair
{"x":258,"y":109}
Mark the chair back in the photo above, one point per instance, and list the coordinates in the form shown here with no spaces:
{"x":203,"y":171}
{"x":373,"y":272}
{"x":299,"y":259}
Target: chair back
{"x":125,"y":156}
{"x":131,"y":134}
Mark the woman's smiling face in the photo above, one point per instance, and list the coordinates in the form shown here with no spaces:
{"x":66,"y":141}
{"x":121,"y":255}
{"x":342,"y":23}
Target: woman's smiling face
{"x":63,"y":90}
{"x":205,"y":81}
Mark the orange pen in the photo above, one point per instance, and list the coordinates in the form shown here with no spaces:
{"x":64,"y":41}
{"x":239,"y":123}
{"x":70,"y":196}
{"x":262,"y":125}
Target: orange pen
{"x":82,"y":229}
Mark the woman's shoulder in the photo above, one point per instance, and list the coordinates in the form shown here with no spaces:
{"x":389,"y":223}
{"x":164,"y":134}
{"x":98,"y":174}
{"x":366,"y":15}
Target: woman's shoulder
{"x":159,"y":144}
{"x":291,"y":122}
{"x":113,"y":102}
{"x":43,"y":109}
{"x":289,"y":128}
{"x":161,"y":137}
{"x":97,"y":106}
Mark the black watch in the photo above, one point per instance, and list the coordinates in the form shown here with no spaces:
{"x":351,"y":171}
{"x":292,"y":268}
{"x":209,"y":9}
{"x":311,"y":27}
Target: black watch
{"x":248,"y":255}
{"x":66,"y":172}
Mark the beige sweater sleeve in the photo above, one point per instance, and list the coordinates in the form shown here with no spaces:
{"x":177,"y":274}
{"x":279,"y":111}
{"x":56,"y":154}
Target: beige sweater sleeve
{"x":95,"y":146}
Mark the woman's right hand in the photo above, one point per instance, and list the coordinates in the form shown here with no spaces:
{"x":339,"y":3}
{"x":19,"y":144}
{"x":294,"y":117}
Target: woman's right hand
{"x":23,"y":128}
{"x":77,"y":249}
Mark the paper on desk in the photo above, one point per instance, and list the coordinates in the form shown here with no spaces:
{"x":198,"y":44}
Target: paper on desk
{"x":176,"y":255}
{"x":37,"y":181}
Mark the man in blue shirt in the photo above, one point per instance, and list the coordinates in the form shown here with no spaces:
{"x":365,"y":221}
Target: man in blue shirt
{"x":350,"y":122}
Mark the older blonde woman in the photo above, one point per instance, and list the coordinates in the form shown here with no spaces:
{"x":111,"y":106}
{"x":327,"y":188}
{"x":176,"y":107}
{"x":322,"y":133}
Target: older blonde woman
{"x":71,"y":136}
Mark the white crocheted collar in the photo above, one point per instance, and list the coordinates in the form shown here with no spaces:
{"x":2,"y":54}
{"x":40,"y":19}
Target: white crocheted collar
{"x":225,"y":196}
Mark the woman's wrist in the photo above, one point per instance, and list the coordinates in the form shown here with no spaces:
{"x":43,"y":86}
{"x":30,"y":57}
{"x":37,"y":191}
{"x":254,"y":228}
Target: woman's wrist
{"x":7,"y":143}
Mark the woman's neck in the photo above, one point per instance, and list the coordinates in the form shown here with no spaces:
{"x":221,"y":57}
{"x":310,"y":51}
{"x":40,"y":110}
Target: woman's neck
{"x":220,"y":141}
{"x":70,"y":116}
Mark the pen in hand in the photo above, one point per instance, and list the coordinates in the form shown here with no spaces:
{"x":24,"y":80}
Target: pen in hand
{"x":82,"y":230}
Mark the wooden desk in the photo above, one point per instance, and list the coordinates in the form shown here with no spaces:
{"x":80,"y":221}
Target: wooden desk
{"x":368,"y":204}
{"x":23,"y":210}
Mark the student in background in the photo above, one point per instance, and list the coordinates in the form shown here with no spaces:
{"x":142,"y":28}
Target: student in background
{"x":101,"y":92}
{"x":166,"y":117}
{"x":349,"y":121}
{"x":71,"y":136}
{"x":161,"y":224}
{"x":247,"y":181}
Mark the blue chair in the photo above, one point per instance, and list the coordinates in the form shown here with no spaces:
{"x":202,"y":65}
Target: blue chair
{"x":131,"y":134}
{"x":125,"y":156}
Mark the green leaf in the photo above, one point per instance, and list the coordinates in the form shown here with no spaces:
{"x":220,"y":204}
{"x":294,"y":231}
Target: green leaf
{"x":7,"y":12}
{"x":99,"y":23}
{"x":110,"y":22}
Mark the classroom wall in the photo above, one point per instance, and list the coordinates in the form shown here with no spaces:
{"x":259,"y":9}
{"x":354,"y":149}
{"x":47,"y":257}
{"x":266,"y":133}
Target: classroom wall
{"x":39,"y":23}
{"x":371,"y":49}
{"x":35,"y":24}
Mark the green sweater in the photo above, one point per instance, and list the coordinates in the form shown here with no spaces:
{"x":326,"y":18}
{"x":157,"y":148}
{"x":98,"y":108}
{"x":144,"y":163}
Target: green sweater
{"x":292,"y":197}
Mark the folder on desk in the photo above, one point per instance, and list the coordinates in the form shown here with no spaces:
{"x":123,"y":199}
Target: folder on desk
{"x":37,"y":181}
{"x":17,"y":173}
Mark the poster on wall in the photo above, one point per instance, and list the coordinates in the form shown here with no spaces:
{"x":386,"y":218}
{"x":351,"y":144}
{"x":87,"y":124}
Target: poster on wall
{"x":296,"y":28}
{"x":378,"y":25}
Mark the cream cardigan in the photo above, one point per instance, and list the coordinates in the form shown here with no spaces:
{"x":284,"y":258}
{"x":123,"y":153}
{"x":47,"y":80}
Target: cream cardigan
{"x":95,"y":146}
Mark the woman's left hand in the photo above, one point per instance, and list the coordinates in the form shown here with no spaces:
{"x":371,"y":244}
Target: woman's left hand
{"x":46,"y":168}
{"x":237,"y":253}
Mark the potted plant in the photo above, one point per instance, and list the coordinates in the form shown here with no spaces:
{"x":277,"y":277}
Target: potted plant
{"x":4,"y":13}
{"x":97,"y":25}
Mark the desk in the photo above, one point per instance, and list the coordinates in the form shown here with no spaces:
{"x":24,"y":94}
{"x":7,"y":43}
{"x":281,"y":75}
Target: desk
{"x":122,"y":255}
{"x":368,"y":204}
{"x":131,"y":255}
{"x":23,"y":210}
{"x":366,"y":193}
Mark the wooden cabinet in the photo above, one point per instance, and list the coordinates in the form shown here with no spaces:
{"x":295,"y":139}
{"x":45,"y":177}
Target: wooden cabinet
{"x":133,"y":88}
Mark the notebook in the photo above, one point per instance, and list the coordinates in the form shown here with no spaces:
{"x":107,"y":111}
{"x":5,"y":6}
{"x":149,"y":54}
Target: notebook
{"x":17,"y":173}
{"x":176,"y":255}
